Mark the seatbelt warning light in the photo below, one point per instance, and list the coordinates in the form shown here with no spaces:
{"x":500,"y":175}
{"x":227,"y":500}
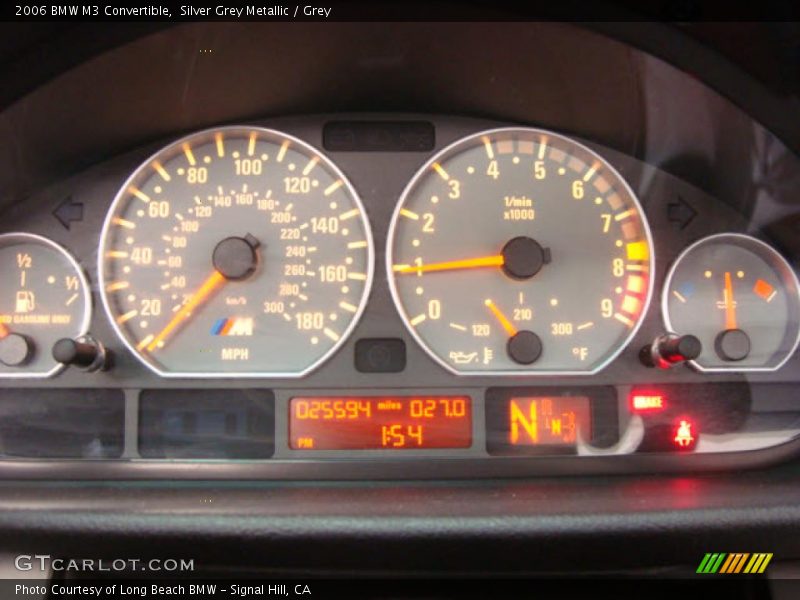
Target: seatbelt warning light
{"x":685,"y":435}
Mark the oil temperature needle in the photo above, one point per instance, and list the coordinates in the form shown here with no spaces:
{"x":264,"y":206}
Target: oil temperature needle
{"x":730,"y":305}
{"x":469,"y":263}
{"x":507,"y":325}
{"x":210,"y":284}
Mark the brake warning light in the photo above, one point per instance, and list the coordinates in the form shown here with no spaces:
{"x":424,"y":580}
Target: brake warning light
{"x":648,"y":402}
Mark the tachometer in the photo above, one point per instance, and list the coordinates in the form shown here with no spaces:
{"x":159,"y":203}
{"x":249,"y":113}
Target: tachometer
{"x":520,"y":250}
{"x":237,"y":250}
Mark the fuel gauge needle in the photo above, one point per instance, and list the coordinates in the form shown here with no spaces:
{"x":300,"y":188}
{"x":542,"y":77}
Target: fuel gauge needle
{"x":209,"y":286}
{"x":507,"y":325}
{"x":730,"y":305}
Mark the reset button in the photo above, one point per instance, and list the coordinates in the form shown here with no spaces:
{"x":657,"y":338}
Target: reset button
{"x":380,"y":355}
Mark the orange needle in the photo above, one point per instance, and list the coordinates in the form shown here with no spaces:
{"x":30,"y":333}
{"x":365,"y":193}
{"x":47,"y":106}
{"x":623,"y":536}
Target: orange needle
{"x":3,"y":331}
{"x":209,"y":285}
{"x":469,"y":263}
{"x":730,"y":305}
{"x":507,"y":325}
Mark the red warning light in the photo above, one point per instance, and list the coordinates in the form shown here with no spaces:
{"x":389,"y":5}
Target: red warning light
{"x":685,"y":434}
{"x":648,"y":402}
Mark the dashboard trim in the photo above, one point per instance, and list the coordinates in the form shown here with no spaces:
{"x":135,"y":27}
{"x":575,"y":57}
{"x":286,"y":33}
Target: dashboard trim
{"x":430,"y":468}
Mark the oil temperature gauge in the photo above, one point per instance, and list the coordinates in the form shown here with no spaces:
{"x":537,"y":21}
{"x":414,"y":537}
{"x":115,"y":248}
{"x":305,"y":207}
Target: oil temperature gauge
{"x":740,"y":298}
{"x":44,"y":297}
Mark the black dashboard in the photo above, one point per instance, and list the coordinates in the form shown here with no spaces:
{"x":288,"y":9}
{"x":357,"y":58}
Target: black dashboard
{"x":477,"y":283}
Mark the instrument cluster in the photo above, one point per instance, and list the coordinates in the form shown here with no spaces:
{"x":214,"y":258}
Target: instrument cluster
{"x":495,"y":290}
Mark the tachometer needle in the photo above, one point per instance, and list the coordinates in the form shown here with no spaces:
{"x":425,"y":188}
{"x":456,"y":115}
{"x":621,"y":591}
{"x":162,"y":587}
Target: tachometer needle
{"x":469,"y":263}
{"x":507,"y":325}
{"x":209,"y":285}
{"x":730,"y":305}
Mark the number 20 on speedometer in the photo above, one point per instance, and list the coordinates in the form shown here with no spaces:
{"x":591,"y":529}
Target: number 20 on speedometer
{"x":520,"y":251}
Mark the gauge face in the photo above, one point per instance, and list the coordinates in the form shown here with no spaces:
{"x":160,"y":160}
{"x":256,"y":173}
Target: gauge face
{"x":520,"y":250}
{"x":740,"y":298}
{"x":235,"y":251}
{"x":43,"y":297}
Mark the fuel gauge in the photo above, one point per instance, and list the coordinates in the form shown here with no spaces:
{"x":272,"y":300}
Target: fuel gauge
{"x":740,"y":298}
{"x":44,"y":297}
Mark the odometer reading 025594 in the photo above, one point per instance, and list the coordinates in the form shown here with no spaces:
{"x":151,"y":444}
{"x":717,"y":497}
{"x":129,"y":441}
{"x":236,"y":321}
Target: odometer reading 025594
{"x":235,"y":251}
{"x":520,"y":251}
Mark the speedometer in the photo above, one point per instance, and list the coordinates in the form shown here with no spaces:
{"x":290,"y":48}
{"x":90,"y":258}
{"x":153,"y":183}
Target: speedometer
{"x":235,"y":251}
{"x":520,"y":251}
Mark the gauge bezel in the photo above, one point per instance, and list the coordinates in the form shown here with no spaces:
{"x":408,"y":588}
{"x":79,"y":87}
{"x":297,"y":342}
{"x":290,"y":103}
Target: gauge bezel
{"x":468,"y":141}
{"x":239,"y":128}
{"x":84,"y":283}
{"x":786,"y":271}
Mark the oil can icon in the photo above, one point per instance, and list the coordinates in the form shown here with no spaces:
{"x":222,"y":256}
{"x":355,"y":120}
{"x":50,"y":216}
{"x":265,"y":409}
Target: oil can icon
{"x":26,"y":302}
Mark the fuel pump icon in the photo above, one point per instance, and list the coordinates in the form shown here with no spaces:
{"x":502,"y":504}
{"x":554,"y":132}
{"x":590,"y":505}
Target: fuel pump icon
{"x":25,"y":302}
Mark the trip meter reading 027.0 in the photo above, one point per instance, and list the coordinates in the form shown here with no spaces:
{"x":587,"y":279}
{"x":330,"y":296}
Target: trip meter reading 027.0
{"x":520,"y":251}
{"x":235,"y":251}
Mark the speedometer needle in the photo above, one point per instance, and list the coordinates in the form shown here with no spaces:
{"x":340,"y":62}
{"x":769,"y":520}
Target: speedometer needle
{"x":730,"y":305}
{"x":470,"y":263}
{"x":209,"y":286}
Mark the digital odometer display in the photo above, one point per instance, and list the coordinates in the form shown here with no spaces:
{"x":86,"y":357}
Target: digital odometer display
{"x":380,"y":423}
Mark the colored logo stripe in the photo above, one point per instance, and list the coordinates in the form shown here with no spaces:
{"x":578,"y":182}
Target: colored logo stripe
{"x":222,"y":326}
{"x":758,"y":563}
{"x":734,"y":562}
{"x":721,"y":562}
{"x":711,"y":563}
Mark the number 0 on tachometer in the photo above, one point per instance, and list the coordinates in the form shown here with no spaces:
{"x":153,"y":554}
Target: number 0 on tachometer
{"x":520,"y":251}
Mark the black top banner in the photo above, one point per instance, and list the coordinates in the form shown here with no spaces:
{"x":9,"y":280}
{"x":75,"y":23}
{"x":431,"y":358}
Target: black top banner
{"x":333,"y":10}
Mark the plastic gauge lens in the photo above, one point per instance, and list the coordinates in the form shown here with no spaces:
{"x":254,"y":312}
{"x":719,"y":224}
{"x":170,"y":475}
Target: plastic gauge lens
{"x":740,"y":298}
{"x":520,"y":251}
{"x":43,"y":297}
{"x":236,"y":251}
